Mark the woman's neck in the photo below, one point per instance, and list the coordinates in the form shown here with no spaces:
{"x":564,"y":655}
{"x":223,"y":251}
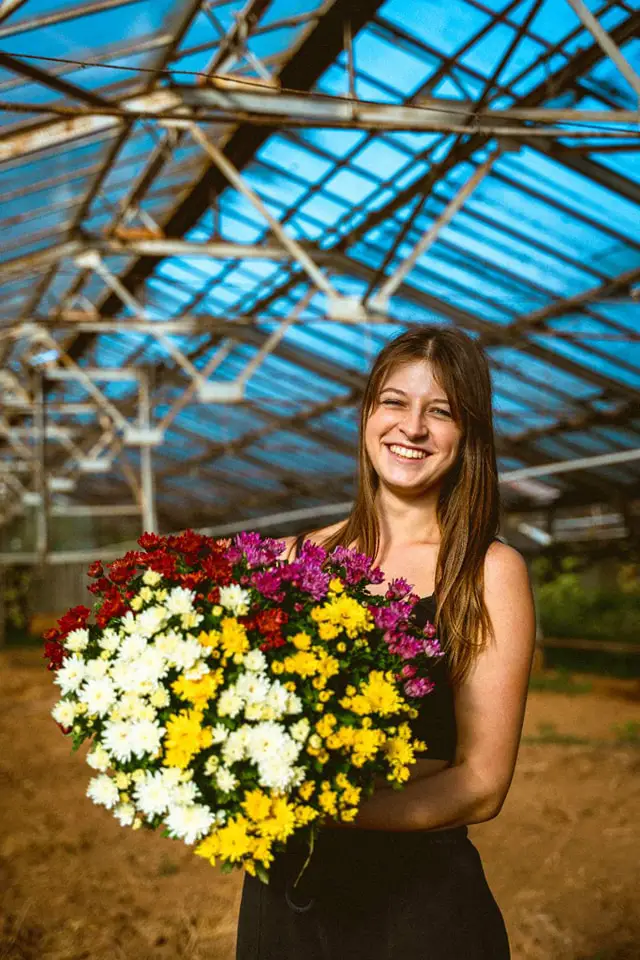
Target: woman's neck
{"x":407,"y":521}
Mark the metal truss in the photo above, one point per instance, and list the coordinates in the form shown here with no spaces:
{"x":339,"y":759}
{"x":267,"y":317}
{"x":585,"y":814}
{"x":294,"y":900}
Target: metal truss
{"x":68,"y":418}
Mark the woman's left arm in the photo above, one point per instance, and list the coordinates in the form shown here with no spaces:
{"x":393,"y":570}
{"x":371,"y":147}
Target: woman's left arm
{"x":489,"y":706}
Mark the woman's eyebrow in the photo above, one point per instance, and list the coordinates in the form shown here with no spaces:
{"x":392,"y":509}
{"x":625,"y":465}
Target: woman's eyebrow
{"x":432,"y":400}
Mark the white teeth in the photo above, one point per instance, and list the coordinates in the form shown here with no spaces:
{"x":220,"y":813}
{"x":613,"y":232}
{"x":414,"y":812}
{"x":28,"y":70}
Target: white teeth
{"x":407,"y":452}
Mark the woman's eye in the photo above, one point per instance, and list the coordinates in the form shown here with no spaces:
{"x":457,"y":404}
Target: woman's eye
{"x":442,"y":412}
{"x":392,"y":403}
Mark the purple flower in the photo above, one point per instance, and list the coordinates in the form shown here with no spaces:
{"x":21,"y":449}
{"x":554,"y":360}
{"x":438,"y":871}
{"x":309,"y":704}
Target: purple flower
{"x":432,"y":648}
{"x":397,"y":589}
{"x":418,"y":687}
{"x":391,"y":616}
{"x":357,"y":566}
{"x":404,"y":645}
{"x":257,"y":551}
{"x":269,"y":584}
{"x":408,"y":671}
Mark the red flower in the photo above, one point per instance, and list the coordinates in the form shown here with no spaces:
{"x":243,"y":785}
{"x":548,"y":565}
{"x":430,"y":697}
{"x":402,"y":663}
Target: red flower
{"x":273,"y":643}
{"x":95,"y":569}
{"x":214,"y":595}
{"x":54,"y":653}
{"x":218,"y":569}
{"x":271,"y":621}
{"x":191,"y":580}
{"x":162,"y":563}
{"x":112,"y":606}
{"x":121,"y":571}
{"x":99,"y":586}
{"x":51,"y":634}
{"x":74,"y":618}
{"x":151,"y":541}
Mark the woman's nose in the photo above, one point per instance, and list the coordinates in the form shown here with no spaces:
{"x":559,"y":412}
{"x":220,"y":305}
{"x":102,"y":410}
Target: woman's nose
{"x":414,"y":424}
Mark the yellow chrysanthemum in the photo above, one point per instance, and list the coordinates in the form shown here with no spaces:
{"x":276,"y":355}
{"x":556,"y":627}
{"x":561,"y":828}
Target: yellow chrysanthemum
{"x":185,"y":738}
{"x":209,"y":638}
{"x":328,"y":801}
{"x":325,"y":725}
{"x":257,"y":805}
{"x":234,"y":840}
{"x":233,"y":637}
{"x":377,"y":695}
{"x":282,"y":820}
{"x":306,"y":790}
{"x":304,"y":663}
{"x":200,"y":691}
{"x":336,"y":585}
{"x":301,"y":641}
{"x":346,"y":614}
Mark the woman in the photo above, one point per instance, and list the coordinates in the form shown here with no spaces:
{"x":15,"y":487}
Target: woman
{"x":404,"y":881}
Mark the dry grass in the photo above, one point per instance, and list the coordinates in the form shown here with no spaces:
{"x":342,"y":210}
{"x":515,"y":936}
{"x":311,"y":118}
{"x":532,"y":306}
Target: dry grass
{"x":561,"y":858}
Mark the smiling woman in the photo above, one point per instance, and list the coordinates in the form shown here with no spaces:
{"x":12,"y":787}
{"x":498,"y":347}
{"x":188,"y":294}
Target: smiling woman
{"x":404,"y":880}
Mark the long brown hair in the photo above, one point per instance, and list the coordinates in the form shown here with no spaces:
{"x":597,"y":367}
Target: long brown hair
{"x":468,"y":508}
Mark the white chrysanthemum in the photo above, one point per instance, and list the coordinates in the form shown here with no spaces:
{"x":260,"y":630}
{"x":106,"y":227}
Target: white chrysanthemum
{"x":96,"y":669}
{"x":131,"y":647}
{"x":102,"y":790}
{"x":125,"y":813}
{"x":255,"y":661}
{"x":71,"y":674}
{"x":99,"y":759}
{"x":294,"y":703}
{"x":219,"y":733}
{"x":258,"y":711}
{"x":229,"y":703}
{"x":152,"y":665}
{"x":278,"y":698}
{"x":300,"y":730}
{"x":131,"y":705}
{"x":211,"y":765}
{"x":185,"y":794}
{"x":117,"y":739}
{"x":152,"y":794}
{"x":253,"y":687}
{"x":77,"y":640}
{"x":267,"y":739}
{"x":275,"y":773}
{"x":109,"y":640}
{"x":150,"y":621}
{"x":225,"y":780}
{"x":65,"y":712}
{"x":186,"y":654}
{"x":179,"y":601}
{"x":197,"y":671}
{"x":235,"y":599}
{"x":167,"y":643}
{"x":129,"y":622}
{"x":189,"y":823}
{"x":235,"y":746}
{"x":298,"y":776}
{"x":99,"y":694}
{"x":160,"y":698}
{"x":151,"y":578}
{"x":146,"y":736}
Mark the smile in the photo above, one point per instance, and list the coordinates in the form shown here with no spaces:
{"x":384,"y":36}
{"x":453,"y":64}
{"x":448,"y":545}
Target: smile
{"x":407,"y":453}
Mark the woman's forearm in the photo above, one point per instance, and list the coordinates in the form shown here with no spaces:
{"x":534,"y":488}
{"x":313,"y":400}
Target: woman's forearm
{"x":452,"y":797}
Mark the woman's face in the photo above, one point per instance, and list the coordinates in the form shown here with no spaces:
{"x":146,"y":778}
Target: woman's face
{"x":411,"y":436}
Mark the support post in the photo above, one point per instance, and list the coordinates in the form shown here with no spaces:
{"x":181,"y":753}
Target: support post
{"x":149,"y":517}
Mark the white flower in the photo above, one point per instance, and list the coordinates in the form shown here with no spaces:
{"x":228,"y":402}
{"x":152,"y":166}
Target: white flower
{"x":131,"y":647}
{"x":186,"y":654}
{"x":77,"y":640}
{"x":219,"y":733}
{"x":294,"y":703}
{"x":189,"y":822}
{"x":255,"y":660}
{"x":160,"y":698}
{"x":125,"y":813}
{"x":225,"y":780}
{"x":151,"y":620}
{"x":211,"y":766}
{"x":146,"y":736}
{"x":99,"y":694}
{"x":71,"y":674}
{"x":117,"y":739}
{"x":151,"y":578}
{"x":253,"y":687}
{"x":96,"y":669}
{"x":300,"y":730}
{"x":99,"y":759}
{"x":109,"y":640}
{"x":229,"y":703}
{"x":129,"y":622}
{"x":278,"y":698}
{"x":167,"y":643}
{"x":220,"y":817}
{"x":179,"y":601}
{"x":153,"y":793}
{"x":185,"y":794}
{"x":267,"y":739}
{"x":275,"y":774}
{"x":65,"y":712}
{"x":235,"y":746}
{"x":102,"y":790}
{"x":199,"y":670}
{"x":258,"y":711}
{"x":235,"y":599}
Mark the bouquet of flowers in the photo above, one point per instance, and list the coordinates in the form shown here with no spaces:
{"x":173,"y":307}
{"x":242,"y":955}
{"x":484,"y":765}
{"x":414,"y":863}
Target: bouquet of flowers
{"x":235,"y":699}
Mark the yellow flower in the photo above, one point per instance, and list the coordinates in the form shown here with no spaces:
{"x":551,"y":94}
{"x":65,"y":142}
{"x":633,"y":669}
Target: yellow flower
{"x":336,"y":585}
{"x":351,"y":796}
{"x":303,"y":663}
{"x":161,"y":595}
{"x":190,"y":620}
{"x":325,"y":725}
{"x":319,"y":683}
{"x":328,"y":802}
{"x":348,"y":816}
{"x":146,"y":594}
{"x":198,"y":692}
{"x":217,"y":611}
{"x":341,"y":647}
{"x":301,"y":641}
{"x":305,"y":814}
{"x":282,"y":821}
{"x":323,"y":756}
{"x":234,"y":842}
{"x":290,"y":686}
{"x":261,"y":850}
{"x":328,"y":631}
{"x":122,"y":780}
{"x":233,"y":638}
{"x":210,"y":638}
{"x":257,"y":805}
{"x":306,"y":789}
{"x":343,"y":613}
{"x":324,"y":696}
{"x":136,"y":603}
{"x":185,"y":738}
{"x":377,"y":695}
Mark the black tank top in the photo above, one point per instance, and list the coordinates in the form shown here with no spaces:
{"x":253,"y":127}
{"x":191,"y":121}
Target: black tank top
{"x":436,"y":722}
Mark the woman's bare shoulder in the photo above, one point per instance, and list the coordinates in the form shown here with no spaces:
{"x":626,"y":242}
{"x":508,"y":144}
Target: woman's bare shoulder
{"x":505,"y":568}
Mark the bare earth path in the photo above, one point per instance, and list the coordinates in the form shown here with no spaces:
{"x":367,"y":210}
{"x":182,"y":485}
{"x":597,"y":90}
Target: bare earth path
{"x":562,"y":857}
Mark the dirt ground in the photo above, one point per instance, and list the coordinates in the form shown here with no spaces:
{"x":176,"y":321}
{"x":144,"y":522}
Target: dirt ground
{"x":562,"y":857}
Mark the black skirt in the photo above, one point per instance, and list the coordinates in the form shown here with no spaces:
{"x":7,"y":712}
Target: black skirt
{"x":374,"y":895}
